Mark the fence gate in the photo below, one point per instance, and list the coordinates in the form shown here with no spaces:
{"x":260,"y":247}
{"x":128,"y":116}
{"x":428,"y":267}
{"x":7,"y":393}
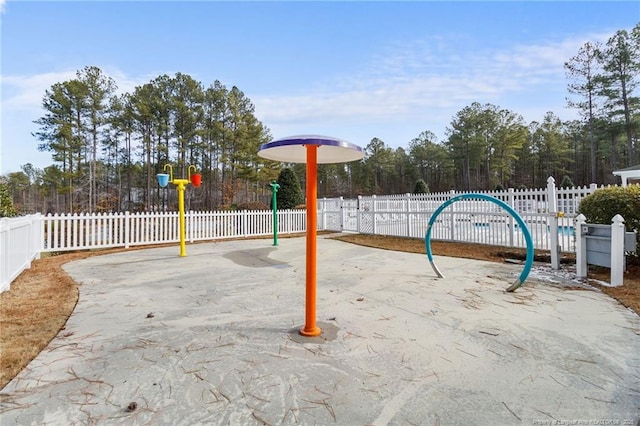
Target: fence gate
{"x":350,"y":215}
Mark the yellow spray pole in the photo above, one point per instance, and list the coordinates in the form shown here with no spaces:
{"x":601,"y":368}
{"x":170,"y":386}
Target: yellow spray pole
{"x":180,"y":184}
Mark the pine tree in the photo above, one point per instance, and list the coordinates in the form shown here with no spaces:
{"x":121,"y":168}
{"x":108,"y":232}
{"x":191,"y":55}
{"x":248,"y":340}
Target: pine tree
{"x":620,"y":80}
{"x":289,"y":195}
{"x":421,"y":187}
{"x":582,"y":69}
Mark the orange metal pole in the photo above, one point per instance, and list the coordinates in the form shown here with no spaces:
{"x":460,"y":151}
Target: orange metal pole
{"x":310,"y":327}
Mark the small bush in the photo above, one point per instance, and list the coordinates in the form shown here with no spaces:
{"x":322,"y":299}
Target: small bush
{"x":421,"y":187}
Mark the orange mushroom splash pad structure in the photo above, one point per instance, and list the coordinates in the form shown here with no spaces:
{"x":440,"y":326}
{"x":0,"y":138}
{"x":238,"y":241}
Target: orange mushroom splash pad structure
{"x":312,"y":150}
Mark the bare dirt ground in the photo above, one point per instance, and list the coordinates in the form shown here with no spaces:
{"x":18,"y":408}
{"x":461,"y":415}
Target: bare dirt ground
{"x":41,"y":299}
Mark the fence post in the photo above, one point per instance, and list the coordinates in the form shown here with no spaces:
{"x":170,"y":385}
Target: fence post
{"x":43,"y":230}
{"x":452,"y":216}
{"x":617,"y":250}
{"x":44,"y":227}
{"x":188,"y":223}
{"x":36,"y":229}
{"x":373,"y":212}
{"x":408,"y":214}
{"x":245,"y":224}
{"x":581,"y":247}
{"x":324,"y":214}
{"x":341,"y":210}
{"x":127,"y":230}
{"x":552,"y":207}
{"x":52,"y":231}
{"x":512,"y":203}
{"x":359,"y":203}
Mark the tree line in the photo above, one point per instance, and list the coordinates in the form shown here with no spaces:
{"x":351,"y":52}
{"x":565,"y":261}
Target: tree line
{"x":107,"y":148}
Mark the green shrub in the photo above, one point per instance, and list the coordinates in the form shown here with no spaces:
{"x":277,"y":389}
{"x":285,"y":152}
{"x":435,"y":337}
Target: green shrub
{"x":421,"y":187}
{"x":603,"y":204}
{"x":290,"y":194}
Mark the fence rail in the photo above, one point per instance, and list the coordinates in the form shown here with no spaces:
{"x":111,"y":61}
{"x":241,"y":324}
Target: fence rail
{"x":476,"y":221}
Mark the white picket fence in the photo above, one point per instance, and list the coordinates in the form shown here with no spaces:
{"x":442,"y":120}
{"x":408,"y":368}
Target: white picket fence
{"x":548,"y":213}
{"x":105,"y":230}
{"x":476,"y":221}
{"x":23,"y":239}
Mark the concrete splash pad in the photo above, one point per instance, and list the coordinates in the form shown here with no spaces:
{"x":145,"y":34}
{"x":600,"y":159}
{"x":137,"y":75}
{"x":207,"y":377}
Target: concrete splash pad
{"x":211,"y":338}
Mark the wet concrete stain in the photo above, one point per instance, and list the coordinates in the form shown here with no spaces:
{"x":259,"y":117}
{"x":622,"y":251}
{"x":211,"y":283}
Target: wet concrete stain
{"x":255,"y":258}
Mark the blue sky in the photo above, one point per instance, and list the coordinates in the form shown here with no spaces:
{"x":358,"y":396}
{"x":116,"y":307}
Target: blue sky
{"x":352,"y":70}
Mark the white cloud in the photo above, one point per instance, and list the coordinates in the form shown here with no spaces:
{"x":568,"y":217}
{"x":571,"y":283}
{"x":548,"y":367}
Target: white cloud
{"x":427,"y":80}
{"x":22,"y":103}
{"x":434,"y":78}
{"x":400,"y":80}
{"x":26,"y":92}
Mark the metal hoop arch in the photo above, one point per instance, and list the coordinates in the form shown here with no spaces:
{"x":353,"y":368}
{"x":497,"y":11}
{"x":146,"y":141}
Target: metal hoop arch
{"x":505,"y":206}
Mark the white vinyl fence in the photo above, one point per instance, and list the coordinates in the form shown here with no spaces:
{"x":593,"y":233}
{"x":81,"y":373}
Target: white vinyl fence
{"x":23,"y":239}
{"x":20,"y":243}
{"x":549,"y":214}
{"x":104,"y":230}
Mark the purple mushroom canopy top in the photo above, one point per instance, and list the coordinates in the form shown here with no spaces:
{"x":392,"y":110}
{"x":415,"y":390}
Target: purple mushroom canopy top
{"x":292,"y":149}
